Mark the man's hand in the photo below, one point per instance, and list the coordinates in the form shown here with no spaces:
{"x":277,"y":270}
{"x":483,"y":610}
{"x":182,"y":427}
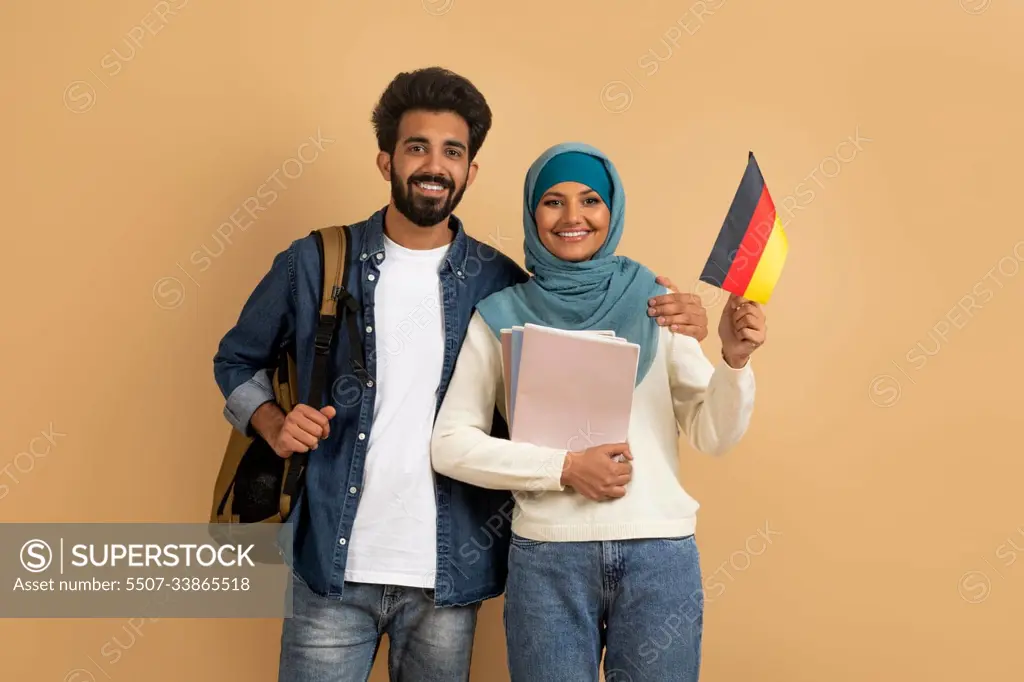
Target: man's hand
{"x":682,"y":313}
{"x":594,"y":473}
{"x":743,"y":329}
{"x":301,"y":430}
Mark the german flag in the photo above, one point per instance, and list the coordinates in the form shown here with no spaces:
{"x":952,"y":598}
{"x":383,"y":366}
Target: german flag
{"x":751,"y":248}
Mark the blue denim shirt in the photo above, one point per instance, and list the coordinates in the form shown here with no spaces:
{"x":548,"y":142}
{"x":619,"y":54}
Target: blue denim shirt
{"x":472,"y":523}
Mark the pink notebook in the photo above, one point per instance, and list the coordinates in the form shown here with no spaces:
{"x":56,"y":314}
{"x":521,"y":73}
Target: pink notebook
{"x":511,"y":352}
{"x":573,"y":391}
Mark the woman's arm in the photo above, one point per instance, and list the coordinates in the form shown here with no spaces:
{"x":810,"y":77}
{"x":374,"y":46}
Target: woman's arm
{"x":461,"y":446}
{"x":713,"y":403}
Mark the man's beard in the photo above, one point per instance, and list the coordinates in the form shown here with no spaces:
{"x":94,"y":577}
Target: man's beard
{"x":421,"y":210}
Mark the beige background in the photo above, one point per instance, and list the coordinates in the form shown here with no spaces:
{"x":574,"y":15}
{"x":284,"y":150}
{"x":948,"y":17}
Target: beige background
{"x":888,"y":472}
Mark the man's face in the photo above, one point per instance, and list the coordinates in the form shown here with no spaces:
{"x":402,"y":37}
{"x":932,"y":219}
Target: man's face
{"x":430,"y":169}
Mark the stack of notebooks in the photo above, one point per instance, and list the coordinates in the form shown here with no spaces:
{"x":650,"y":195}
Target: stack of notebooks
{"x":568,"y":389}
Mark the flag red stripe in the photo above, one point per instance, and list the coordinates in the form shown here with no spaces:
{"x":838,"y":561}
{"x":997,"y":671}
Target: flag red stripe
{"x":752,"y":245}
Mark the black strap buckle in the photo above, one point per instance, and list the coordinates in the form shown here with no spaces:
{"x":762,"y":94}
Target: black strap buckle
{"x":342,"y":296}
{"x":324,"y":332}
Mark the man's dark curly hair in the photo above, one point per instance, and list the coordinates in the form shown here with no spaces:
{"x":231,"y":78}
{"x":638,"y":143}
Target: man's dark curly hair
{"x":431,"y":89}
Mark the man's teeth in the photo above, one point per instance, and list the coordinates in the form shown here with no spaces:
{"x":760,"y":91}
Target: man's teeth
{"x":431,"y":186}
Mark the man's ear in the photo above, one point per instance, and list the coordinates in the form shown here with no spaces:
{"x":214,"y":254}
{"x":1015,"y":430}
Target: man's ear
{"x":473,"y":168}
{"x":384,"y":165}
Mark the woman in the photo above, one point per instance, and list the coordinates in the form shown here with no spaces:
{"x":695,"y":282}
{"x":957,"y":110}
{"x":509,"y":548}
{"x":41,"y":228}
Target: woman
{"x":602,"y":553}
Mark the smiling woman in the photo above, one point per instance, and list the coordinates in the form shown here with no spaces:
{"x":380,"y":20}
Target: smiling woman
{"x":572,"y":221}
{"x":574,"y":215}
{"x":571,"y":202}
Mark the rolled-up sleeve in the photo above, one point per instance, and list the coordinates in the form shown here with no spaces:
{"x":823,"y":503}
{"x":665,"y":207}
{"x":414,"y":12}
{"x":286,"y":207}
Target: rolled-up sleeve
{"x":246,"y":399}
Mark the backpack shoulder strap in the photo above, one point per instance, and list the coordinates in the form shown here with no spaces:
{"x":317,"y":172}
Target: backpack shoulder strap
{"x":346,"y":306}
{"x":332,"y":245}
{"x":334,"y":251}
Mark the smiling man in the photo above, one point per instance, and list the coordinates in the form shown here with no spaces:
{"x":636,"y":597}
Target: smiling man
{"x":382,"y":544}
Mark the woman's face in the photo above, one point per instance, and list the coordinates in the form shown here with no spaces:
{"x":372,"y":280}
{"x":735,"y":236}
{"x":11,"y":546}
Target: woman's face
{"x":572,"y":221}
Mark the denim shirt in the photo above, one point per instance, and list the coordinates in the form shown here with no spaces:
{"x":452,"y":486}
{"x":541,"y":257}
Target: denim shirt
{"x":473,"y":524}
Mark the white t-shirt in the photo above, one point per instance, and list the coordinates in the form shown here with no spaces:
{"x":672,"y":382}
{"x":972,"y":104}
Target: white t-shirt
{"x":394,"y":538}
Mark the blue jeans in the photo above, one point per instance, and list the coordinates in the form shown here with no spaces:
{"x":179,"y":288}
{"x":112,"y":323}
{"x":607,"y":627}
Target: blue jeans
{"x":640,"y":600}
{"x":330,"y":640}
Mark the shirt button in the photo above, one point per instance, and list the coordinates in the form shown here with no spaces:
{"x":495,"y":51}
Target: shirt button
{"x":362,"y":436}
{"x":369,"y":383}
{"x":362,"y":256}
{"x":341,"y":541}
{"x":379,"y":256}
{"x":369,"y":329}
{"x":370,"y":277}
{"x":459,"y":273}
{"x":352,"y":490}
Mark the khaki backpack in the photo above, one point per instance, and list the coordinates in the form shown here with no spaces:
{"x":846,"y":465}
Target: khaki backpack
{"x":255,"y":485}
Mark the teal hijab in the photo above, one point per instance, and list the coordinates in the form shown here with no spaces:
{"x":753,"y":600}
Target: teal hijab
{"x":604,"y":292}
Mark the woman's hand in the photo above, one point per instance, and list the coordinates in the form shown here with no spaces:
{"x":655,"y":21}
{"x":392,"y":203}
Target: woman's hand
{"x":743,"y":329}
{"x":596,"y":474}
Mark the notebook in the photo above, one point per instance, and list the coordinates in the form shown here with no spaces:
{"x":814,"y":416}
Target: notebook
{"x":511,"y":352}
{"x":570,"y":390}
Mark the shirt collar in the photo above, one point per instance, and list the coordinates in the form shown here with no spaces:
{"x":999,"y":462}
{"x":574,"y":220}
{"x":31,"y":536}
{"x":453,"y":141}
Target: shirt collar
{"x":455,"y":259}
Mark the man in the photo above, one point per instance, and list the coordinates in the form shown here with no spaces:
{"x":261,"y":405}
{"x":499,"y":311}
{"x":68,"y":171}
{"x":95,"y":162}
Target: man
{"x":381,"y":543}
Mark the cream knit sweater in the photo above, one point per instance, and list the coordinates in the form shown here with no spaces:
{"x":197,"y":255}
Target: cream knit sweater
{"x":712,"y":405}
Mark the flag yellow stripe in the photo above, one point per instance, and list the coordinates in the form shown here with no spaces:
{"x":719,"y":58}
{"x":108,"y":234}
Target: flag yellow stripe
{"x":769,"y":266}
